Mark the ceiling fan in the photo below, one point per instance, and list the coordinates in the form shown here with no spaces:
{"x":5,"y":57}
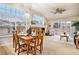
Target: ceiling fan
{"x":59,"y":10}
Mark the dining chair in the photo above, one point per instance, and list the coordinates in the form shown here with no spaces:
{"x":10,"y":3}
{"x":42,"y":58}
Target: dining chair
{"x":20,"y":46}
{"x":38,"y":44}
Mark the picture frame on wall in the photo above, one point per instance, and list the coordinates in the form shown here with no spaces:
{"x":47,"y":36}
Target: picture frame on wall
{"x":56,"y":25}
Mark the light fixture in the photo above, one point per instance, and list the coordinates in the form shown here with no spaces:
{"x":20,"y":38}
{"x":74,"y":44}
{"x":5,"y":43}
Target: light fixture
{"x":59,"y":10}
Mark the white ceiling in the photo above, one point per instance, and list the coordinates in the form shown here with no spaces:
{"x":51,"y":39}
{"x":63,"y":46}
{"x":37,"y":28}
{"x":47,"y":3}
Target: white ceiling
{"x":47,"y":9}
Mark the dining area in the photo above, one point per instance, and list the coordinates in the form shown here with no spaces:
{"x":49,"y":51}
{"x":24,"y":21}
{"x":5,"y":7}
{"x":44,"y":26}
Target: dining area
{"x":36,"y":43}
{"x":34,"y":34}
{"x":28,"y":43}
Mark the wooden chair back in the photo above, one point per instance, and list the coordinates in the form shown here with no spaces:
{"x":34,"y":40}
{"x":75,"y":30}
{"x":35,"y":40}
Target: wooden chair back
{"x":19,"y":29}
{"x":40,"y":36}
{"x":16,"y":40}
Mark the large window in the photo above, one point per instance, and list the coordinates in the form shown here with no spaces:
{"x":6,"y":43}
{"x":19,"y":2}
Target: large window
{"x":59,"y":27}
{"x":9,"y":16}
{"x":9,"y":12}
{"x":63,"y":26}
{"x":37,"y":20}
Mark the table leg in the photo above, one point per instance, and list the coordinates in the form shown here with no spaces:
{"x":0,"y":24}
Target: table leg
{"x":67,"y":41}
{"x":77,"y":43}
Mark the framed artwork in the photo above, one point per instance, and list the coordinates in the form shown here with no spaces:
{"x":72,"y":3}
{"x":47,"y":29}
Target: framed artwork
{"x":56,"y":25}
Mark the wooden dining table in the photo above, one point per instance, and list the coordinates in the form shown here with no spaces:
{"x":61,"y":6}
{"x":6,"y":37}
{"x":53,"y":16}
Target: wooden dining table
{"x":66,"y":36}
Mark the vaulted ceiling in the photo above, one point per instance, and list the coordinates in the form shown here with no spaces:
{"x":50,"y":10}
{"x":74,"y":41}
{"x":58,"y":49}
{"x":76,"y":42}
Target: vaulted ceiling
{"x":48,"y":10}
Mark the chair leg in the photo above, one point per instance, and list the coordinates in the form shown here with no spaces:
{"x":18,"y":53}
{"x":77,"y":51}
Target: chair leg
{"x":35,"y":50}
{"x":15,"y":47}
{"x":41,"y":48}
{"x":13,"y":43}
{"x":18,"y":49}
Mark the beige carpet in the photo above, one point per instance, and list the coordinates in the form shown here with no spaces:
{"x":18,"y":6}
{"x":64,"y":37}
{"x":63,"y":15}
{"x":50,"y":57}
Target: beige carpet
{"x":51,"y":47}
{"x":5,"y":51}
